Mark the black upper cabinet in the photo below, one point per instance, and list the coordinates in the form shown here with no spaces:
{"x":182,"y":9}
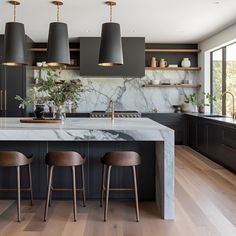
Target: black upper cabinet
{"x":134,"y":58}
{"x":13,"y":82}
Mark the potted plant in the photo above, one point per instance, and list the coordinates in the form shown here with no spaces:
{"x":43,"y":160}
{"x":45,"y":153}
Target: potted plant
{"x":55,"y":91}
{"x":35,"y":98}
{"x":210,"y":99}
{"x":190,"y":104}
{"x":59,"y":91}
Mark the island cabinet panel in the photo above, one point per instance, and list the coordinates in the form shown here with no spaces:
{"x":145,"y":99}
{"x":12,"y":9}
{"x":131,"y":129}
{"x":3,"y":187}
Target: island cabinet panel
{"x":174,"y":121}
{"x":214,"y":139}
{"x":93,"y":151}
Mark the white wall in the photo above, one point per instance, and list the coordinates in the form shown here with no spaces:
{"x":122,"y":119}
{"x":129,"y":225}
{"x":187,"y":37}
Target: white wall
{"x":218,"y":40}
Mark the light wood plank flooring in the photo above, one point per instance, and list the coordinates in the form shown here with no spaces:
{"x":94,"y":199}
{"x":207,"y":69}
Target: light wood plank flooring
{"x":205,"y":206}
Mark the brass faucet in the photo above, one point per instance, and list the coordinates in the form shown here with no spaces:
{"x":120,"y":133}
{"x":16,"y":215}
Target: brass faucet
{"x":112,"y":106}
{"x":227,"y":92}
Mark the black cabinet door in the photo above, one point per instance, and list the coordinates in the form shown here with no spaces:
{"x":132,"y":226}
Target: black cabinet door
{"x":133,"y":52}
{"x":12,"y":84}
{"x":202,"y":136}
{"x":192,"y":132}
{"x":215,"y":134}
{"x":229,"y":148}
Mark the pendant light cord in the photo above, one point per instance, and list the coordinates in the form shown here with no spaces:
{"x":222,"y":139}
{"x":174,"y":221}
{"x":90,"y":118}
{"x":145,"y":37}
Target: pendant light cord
{"x":14,"y":13}
{"x":110,"y":12}
{"x":58,"y":12}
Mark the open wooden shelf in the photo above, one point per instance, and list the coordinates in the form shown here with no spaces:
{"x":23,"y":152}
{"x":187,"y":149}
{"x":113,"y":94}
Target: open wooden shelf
{"x":45,"y":49}
{"x":146,"y":50}
{"x":171,"y":86}
{"x":174,"y":68}
{"x":167,"y":50}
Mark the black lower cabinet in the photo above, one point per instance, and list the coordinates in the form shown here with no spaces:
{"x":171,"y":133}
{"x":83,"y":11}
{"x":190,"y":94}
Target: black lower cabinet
{"x":174,"y":121}
{"x":120,"y":176}
{"x":216,"y":140}
{"x":191,"y":129}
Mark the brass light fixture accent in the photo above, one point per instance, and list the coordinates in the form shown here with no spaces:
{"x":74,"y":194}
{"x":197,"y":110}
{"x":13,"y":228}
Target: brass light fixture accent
{"x":58,"y":41}
{"x":111,"y":52}
{"x":14,"y":41}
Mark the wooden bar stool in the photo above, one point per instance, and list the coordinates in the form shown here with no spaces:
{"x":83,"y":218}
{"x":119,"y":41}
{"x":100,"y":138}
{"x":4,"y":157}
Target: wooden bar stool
{"x":17,"y":159}
{"x":121,"y":159}
{"x":65,"y":159}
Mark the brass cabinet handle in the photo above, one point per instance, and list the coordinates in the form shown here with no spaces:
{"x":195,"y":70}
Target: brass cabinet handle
{"x":5,"y":100}
{"x":1,"y":100}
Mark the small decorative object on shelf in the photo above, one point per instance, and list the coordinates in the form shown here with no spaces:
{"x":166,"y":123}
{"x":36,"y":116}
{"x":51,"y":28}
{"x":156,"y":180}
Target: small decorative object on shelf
{"x":165,"y":82}
{"x":153,"y":62}
{"x":173,"y":66}
{"x":39,"y":64}
{"x":162,"y":63}
{"x":73,"y":62}
{"x":186,"y":63}
{"x":155,"y":81}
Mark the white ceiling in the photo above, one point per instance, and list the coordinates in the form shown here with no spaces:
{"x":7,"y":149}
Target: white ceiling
{"x":169,"y":21}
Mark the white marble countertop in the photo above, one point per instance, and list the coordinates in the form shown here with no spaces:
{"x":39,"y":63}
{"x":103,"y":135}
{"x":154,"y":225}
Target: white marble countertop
{"x":95,"y":129}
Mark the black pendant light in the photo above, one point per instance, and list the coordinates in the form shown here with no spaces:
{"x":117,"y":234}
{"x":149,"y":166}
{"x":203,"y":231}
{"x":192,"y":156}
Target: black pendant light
{"x":58,"y":41}
{"x":14,"y":41}
{"x":111,"y":52}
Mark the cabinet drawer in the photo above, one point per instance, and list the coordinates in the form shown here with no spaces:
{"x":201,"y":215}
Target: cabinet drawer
{"x":229,"y":138}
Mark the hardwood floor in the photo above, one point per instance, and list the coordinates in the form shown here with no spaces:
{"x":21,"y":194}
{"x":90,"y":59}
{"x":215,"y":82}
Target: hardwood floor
{"x":205,"y":206}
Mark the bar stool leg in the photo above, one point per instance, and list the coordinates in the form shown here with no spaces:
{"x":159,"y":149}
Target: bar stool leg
{"x":83,"y":185}
{"x":136,"y":192}
{"x":103,"y":185}
{"x":107,"y":192}
{"x":30,"y":184}
{"x":74,"y":193}
{"x":50,"y":197}
{"x":18,"y":193}
{"x":48,"y":193}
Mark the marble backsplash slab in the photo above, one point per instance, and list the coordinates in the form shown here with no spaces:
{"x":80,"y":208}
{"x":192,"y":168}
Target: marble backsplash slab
{"x":128,"y":92}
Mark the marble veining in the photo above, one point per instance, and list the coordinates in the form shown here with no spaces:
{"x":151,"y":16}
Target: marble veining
{"x":129,"y":93}
{"x":123,"y":129}
{"x":86,"y":129}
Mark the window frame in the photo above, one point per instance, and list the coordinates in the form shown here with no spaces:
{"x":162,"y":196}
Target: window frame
{"x":224,"y":75}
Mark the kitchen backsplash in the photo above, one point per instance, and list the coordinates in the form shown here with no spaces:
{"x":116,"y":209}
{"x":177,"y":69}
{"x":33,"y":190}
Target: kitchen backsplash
{"x":129,"y":93}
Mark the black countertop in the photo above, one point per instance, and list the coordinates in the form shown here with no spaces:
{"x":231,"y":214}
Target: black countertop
{"x":226,"y":119}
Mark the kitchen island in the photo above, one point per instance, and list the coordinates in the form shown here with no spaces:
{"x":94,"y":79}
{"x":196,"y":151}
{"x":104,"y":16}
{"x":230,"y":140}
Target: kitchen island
{"x":94,"y":137}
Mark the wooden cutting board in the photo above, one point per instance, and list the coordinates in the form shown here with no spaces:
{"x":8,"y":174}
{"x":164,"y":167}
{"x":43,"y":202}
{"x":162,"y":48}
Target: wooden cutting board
{"x":44,"y":121}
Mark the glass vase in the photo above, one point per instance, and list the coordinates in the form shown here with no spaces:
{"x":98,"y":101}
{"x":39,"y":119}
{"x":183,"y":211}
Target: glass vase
{"x":59,"y":113}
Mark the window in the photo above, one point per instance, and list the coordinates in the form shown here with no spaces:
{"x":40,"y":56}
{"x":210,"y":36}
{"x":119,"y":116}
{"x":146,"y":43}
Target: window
{"x":223,"y":78}
{"x":216,"y":84}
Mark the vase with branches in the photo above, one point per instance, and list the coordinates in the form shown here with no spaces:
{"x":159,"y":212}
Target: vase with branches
{"x":56,"y":92}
